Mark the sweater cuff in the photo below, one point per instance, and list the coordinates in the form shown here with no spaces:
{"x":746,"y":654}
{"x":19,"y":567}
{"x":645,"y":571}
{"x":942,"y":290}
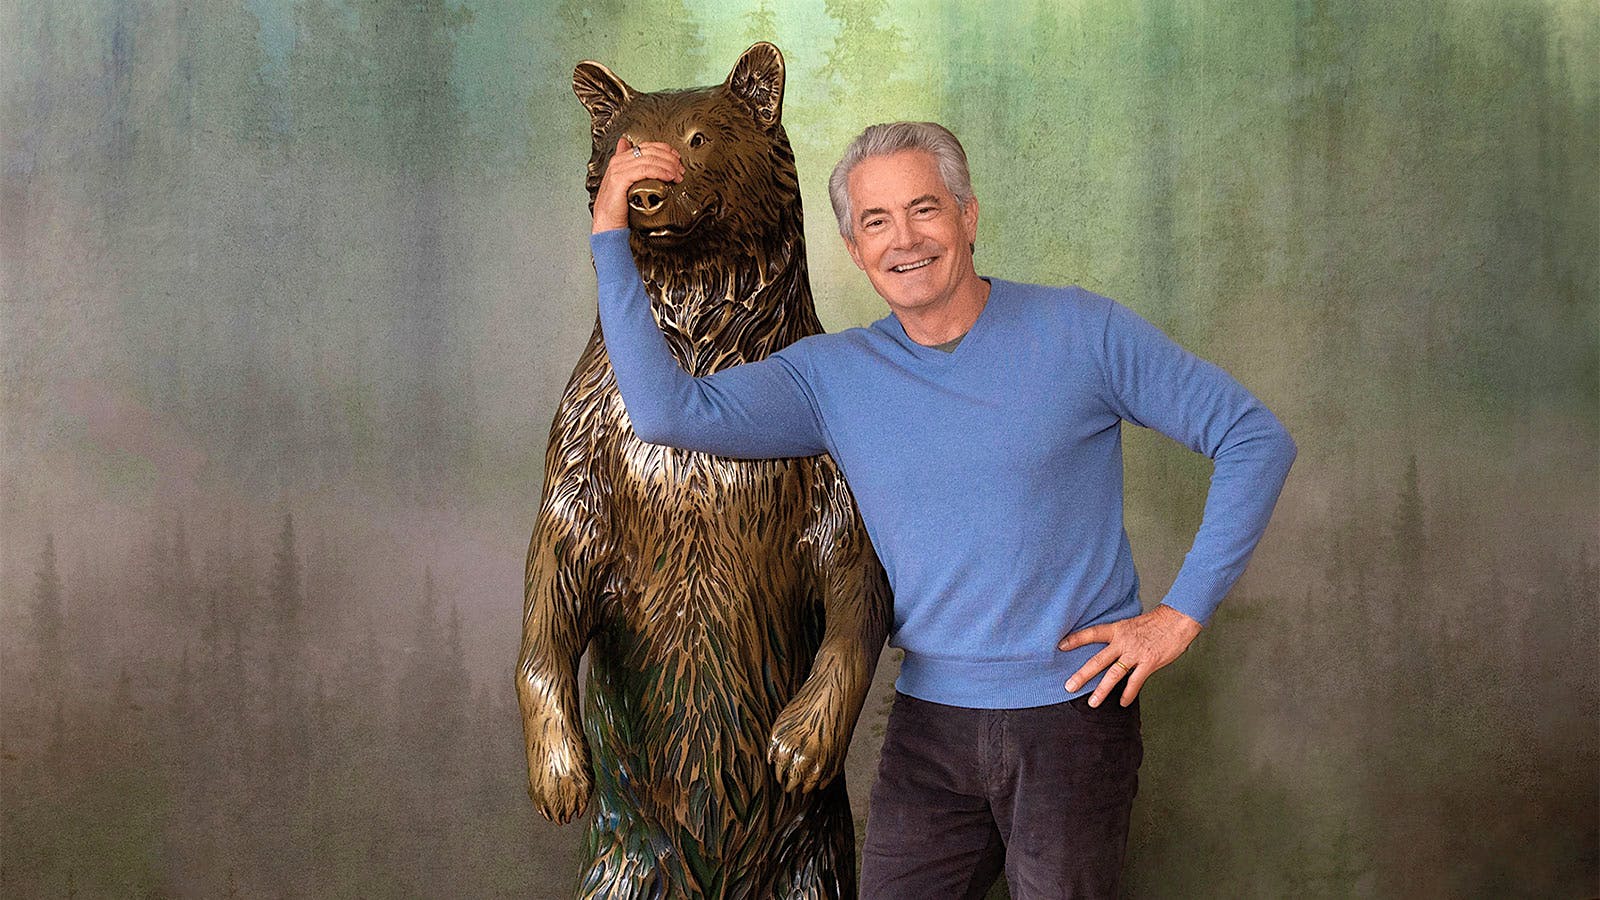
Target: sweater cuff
{"x":1196,"y":596}
{"x":613,"y":260}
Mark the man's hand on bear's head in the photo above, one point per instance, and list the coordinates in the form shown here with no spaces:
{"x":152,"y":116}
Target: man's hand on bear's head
{"x":630,"y":164}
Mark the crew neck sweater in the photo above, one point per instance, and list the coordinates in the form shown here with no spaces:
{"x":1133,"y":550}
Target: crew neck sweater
{"x":989,"y":477}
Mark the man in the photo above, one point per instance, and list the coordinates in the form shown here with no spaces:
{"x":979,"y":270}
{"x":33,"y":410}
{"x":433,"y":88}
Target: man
{"x":978,"y":426}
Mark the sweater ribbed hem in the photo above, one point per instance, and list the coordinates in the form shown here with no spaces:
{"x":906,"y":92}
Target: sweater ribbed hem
{"x":994,"y":684}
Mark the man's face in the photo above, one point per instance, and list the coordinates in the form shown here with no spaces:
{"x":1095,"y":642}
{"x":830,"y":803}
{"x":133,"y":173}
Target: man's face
{"x":908,"y":234}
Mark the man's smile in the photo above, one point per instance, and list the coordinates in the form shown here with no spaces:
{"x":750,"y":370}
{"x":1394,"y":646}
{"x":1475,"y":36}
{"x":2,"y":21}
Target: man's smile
{"x":907,"y":267}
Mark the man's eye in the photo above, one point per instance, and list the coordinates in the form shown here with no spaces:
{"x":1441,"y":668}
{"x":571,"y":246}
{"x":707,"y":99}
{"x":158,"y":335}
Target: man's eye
{"x":697,"y":140}
{"x":872,"y":223}
{"x":927,"y":210}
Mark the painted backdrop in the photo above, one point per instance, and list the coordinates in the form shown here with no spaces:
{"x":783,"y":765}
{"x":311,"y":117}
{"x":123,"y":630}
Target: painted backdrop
{"x":291,"y":288}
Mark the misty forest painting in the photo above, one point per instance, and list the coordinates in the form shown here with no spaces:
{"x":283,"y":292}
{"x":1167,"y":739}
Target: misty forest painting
{"x":291,"y":288}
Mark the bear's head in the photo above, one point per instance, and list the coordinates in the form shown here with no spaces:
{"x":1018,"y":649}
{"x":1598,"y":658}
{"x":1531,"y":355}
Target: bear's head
{"x":739,"y":200}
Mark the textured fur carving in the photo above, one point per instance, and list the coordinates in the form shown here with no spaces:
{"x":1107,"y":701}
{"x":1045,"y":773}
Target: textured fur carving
{"x":734,"y":610}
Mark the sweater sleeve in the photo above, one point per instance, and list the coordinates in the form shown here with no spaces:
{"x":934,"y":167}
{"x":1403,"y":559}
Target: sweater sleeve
{"x":757,"y":410}
{"x":1156,"y":383}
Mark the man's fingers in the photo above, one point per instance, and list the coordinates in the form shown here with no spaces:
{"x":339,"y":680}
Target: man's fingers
{"x":1089,"y":669}
{"x":654,"y":149}
{"x":626,"y":170}
{"x":1094,"y":634}
{"x":1135,"y":682}
{"x":1135,"y":649}
{"x":647,"y":150}
{"x":632,"y":162}
{"x":1114,"y":673}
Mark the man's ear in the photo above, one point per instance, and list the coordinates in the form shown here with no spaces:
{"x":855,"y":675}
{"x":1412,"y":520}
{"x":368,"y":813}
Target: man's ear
{"x":602,"y":93}
{"x":757,"y":79}
{"x":969,"y":220}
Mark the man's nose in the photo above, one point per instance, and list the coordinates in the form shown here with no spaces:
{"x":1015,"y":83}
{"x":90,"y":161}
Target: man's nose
{"x":647,"y":196}
{"x":904,"y":234}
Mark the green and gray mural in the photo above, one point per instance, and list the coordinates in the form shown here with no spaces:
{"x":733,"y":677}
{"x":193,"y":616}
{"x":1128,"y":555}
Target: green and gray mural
{"x":291,"y":287}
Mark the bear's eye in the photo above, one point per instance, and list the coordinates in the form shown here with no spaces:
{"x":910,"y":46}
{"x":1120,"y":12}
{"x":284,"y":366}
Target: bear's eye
{"x":697,"y":140}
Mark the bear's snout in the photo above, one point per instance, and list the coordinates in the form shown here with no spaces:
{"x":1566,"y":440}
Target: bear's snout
{"x":665,"y":214}
{"x":647,"y":197}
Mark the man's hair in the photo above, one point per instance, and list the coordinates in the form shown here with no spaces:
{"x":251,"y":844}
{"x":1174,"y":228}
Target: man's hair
{"x":893,"y":137}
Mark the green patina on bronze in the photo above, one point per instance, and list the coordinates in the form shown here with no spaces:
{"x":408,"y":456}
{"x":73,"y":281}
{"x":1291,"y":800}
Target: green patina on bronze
{"x":734,"y":610}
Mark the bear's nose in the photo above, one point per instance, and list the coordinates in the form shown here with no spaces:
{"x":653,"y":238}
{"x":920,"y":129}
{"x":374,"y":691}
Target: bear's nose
{"x":647,"y":196}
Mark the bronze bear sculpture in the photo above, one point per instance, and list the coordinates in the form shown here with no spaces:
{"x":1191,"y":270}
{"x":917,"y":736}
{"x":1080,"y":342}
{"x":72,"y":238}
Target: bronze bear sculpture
{"x":734,"y":610}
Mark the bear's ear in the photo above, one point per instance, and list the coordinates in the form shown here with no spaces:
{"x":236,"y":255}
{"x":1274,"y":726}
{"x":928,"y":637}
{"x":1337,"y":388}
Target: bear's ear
{"x":757,"y":79}
{"x":601,"y":92}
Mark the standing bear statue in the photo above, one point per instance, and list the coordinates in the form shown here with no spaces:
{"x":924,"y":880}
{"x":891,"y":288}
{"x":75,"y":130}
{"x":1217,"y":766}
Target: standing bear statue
{"x":733,"y":610}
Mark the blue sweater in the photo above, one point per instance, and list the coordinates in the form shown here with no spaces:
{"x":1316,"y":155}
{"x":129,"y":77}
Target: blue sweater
{"x":989,"y":478}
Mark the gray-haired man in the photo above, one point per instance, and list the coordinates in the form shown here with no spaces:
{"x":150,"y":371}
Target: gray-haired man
{"x":979,"y":428}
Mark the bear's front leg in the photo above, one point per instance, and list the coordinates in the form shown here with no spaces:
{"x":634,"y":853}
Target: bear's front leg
{"x":556,"y":625}
{"x":812,"y":734}
{"x":558,"y":761}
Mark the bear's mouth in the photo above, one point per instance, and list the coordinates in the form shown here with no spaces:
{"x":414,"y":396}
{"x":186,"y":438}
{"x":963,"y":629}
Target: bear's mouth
{"x":673,"y":225}
{"x":672,"y":232}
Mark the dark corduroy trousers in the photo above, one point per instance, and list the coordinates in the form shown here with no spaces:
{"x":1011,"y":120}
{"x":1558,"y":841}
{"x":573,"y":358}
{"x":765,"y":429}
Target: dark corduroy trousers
{"x":1043,"y":793}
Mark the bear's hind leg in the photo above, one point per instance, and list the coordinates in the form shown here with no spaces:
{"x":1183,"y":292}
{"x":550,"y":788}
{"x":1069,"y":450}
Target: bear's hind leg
{"x":817,"y":861}
{"x":619,"y":859}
